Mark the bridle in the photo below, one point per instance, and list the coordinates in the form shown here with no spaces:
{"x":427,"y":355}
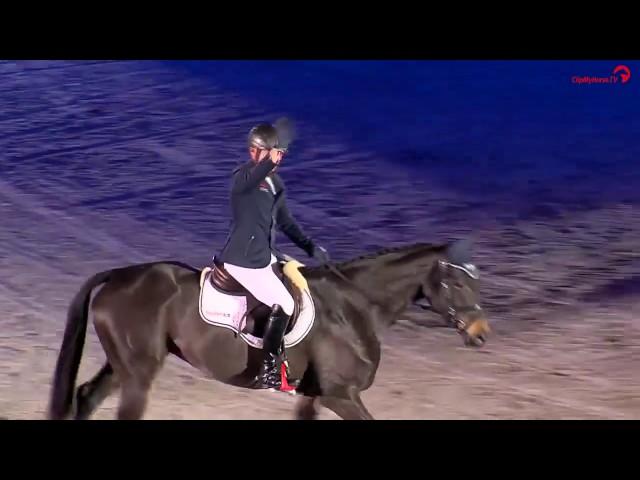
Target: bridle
{"x":453,"y":311}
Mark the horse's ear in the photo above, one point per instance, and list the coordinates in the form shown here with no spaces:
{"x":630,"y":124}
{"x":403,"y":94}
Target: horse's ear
{"x":460,"y":251}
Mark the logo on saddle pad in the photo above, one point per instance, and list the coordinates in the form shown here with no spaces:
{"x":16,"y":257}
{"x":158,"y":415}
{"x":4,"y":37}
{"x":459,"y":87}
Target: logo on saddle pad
{"x":229,"y":309}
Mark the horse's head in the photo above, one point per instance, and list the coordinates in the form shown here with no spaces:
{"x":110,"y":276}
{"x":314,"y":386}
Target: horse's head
{"x":452,"y":289}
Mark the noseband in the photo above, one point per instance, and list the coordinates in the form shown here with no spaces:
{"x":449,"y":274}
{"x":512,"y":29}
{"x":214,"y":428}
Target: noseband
{"x":453,"y":311}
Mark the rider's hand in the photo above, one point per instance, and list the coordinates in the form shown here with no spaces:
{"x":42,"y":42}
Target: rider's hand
{"x":276,"y":156}
{"x":320,"y":254}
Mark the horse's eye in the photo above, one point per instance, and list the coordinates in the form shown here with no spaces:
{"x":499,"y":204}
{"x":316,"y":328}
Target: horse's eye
{"x":459,"y":285}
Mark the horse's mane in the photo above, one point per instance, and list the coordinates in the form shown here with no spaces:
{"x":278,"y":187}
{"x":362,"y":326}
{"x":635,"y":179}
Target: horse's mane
{"x":408,"y":249}
{"x":178,"y":263}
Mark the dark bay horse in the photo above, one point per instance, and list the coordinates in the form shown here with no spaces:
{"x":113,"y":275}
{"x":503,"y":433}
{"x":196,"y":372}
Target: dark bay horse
{"x":146,"y":311}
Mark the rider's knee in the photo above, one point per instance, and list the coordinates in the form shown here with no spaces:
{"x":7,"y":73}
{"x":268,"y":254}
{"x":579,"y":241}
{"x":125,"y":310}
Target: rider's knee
{"x":287,"y":305}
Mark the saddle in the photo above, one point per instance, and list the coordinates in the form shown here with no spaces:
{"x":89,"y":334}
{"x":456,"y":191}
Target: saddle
{"x":257,"y":312}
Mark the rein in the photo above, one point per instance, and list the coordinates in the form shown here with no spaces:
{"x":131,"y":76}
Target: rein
{"x":333,"y":269}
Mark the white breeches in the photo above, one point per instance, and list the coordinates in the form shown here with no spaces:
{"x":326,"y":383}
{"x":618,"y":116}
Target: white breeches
{"x":263,"y":284}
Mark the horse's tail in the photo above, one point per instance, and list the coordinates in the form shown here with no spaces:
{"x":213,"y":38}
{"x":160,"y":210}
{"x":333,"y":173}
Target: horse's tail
{"x":71,"y":351}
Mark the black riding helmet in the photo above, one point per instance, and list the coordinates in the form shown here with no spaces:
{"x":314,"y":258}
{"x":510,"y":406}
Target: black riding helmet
{"x":263,"y":136}
{"x":279,"y":135}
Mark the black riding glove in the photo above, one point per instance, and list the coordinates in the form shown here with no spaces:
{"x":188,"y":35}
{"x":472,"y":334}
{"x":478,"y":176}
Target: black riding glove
{"x":320,"y":254}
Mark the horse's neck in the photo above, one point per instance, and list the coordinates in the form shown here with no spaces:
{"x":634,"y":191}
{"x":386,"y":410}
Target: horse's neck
{"x":391,"y":283}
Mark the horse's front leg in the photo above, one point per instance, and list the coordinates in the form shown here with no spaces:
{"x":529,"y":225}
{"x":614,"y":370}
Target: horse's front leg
{"x":350,"y":408}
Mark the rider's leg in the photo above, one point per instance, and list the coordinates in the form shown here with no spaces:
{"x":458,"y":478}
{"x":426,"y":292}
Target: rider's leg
{"x":270,"y":375}
{"x":263,"y":284}
{"x":267,"y":288}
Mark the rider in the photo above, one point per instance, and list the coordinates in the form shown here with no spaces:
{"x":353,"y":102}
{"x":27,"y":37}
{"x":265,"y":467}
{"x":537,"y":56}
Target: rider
{"x":258,"y":204}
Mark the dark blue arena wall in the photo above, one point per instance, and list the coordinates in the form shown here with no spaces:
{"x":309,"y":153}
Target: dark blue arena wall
{"x":467,"y":123}
{"x":389,"y":152}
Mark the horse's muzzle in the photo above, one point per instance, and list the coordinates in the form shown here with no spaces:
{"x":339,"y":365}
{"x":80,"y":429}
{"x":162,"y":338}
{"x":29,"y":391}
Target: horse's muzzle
{"x":475,"y":334}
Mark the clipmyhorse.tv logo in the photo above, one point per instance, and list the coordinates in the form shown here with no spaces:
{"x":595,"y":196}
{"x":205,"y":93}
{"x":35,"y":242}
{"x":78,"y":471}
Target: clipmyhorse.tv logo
{"x":620,"y":74}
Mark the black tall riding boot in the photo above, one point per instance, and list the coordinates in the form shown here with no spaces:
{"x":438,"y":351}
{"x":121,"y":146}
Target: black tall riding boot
{"x":270,"y":375}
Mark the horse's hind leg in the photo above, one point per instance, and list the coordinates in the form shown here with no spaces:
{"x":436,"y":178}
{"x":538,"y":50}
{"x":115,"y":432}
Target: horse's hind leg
{"x":136,"y":385}
{"x":135,"y":363}
{"x":91,"y":394}
{"x":133,"y":401}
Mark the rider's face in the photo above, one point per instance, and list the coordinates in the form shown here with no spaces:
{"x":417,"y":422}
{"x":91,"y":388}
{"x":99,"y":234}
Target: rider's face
{"x":258,"y":157}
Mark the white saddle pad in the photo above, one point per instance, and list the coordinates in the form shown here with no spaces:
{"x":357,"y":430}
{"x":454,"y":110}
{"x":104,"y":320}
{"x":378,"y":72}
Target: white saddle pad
{"x":227,"y":311}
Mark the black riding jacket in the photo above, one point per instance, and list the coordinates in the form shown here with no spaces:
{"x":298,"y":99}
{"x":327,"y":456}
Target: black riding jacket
{"x":258,"y":206}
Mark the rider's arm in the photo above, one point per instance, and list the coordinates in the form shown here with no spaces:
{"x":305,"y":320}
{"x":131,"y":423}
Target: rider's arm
{"x":287,"y":225}
{"x":247,"y":179}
